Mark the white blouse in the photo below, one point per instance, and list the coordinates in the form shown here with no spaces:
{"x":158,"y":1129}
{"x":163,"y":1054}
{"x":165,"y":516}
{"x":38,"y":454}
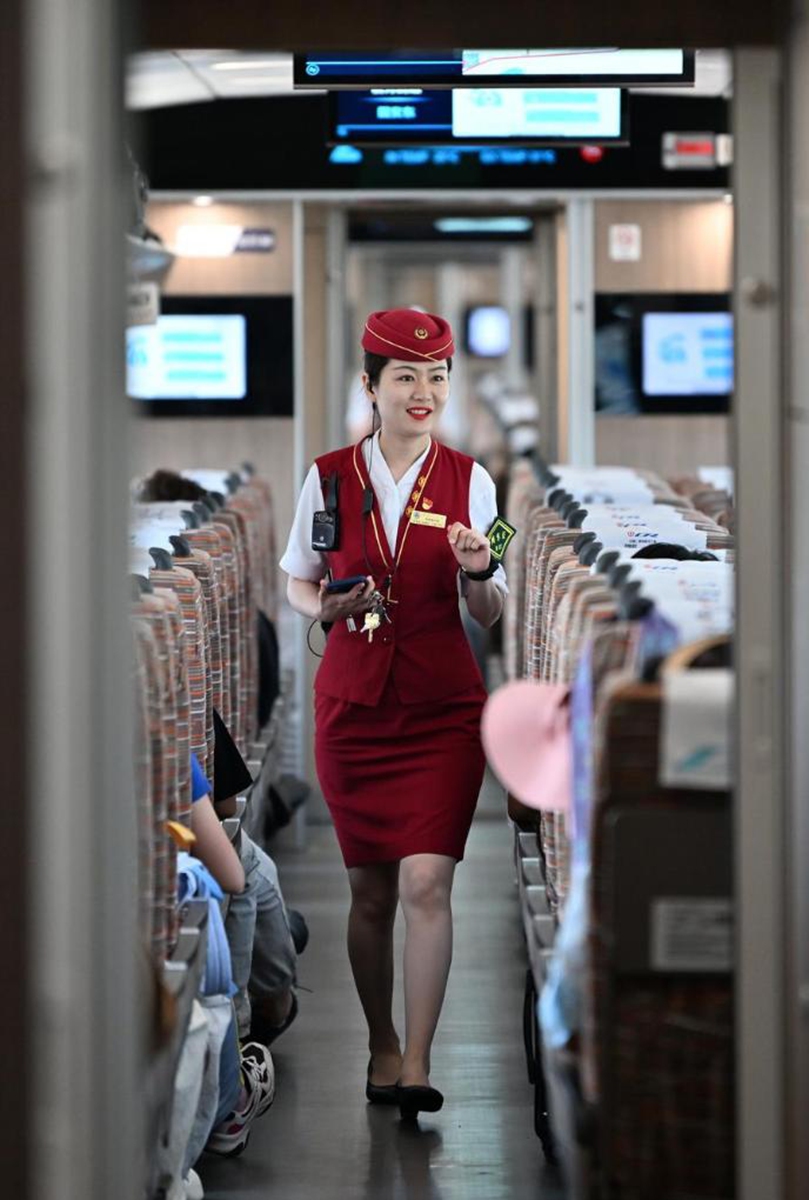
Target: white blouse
{"x":303,"y":562}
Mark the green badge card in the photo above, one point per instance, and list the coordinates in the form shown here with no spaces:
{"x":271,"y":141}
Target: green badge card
{"x":500,"y":535}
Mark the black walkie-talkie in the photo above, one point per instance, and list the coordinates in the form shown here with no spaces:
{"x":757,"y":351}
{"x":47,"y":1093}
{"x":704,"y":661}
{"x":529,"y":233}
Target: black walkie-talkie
{"x":326,"y":522}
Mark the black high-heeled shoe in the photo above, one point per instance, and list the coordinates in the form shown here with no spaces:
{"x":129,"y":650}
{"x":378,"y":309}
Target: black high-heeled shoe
{"x":376,"y":1093}
{"x":418,"y":1098}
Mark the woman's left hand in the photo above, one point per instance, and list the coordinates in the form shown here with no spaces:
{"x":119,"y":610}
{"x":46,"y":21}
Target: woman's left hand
{"x":470,"y":547}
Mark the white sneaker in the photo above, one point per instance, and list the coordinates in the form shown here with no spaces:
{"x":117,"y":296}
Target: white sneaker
{"x":257,"y":1066}
{"x":193,"y":1186}
{"x":258,"y":1073}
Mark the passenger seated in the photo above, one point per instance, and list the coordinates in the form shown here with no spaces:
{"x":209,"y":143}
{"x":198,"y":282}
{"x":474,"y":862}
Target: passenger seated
{"x":219,"y":1089}
{"x":264,"y":937}
{"x":212,"y":846}
{"x":672,"y":551}
{"x":262,"y":944}
{"x":168,"y":487}
{"x":244,"y":1082}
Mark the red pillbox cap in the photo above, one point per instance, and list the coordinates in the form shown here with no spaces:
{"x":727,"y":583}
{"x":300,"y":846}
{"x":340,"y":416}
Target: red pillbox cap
{"x":407,"y":334}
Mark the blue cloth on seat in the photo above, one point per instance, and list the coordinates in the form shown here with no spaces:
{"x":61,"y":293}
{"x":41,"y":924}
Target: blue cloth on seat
{"x":199,"y":784}
{"x":195,"y":881}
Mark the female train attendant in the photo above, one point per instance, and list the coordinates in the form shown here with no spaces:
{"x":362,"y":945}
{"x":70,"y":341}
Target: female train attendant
{"x":398,"y":696}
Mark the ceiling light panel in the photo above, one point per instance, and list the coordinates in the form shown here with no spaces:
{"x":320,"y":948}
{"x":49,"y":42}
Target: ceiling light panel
{"x":230,"y":73}
{"x":161,"y":79}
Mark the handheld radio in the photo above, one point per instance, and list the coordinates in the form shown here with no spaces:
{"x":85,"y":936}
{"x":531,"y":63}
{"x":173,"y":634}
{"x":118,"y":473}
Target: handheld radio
{"x":326,"y":522}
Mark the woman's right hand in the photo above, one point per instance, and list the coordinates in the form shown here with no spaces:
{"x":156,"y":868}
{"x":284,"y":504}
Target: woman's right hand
{"x":348,"y":604}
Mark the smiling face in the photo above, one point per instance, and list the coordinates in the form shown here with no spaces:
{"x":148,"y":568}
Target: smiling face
{"x":410,"y":396}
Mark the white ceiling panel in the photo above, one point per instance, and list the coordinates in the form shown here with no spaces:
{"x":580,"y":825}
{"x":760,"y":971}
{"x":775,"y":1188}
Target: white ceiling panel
{"x":161,"y":79}
{"x":187,"y":76}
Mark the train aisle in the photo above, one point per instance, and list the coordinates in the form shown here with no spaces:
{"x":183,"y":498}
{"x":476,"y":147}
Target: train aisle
{"x":321,"y":1138}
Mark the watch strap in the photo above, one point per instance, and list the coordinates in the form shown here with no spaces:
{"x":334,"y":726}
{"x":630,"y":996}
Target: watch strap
{"x":480,"y":576}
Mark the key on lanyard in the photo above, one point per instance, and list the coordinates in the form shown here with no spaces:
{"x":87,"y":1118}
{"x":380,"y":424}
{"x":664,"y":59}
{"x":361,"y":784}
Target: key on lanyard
{"x":372,"y":622}
{"x":375,"y":616}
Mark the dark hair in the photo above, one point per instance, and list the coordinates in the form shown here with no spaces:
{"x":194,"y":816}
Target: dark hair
{"x":373,"y":364}
{"x":670,"y":550}
{"x":168,"y":486}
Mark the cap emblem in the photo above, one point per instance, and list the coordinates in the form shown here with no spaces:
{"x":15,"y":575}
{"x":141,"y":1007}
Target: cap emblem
{"x":421,"y":333}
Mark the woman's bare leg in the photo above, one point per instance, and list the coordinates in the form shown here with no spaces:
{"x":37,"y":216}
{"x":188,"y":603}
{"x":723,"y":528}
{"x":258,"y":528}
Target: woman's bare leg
{"x":374,"y":897}
{"x":425,"y":888}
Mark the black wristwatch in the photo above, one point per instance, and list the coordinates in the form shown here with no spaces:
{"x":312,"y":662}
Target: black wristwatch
{"x":481,"y":576}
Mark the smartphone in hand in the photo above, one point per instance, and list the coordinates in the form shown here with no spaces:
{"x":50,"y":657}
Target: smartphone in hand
{"x":339,"y":586}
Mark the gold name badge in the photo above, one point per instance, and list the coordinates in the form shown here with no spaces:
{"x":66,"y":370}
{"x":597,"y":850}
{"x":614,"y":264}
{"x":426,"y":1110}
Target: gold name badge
{"x":437,"y":520}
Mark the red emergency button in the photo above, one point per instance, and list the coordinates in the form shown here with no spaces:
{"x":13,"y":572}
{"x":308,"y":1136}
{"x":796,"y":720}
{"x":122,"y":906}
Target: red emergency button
{"x":592,"y":154}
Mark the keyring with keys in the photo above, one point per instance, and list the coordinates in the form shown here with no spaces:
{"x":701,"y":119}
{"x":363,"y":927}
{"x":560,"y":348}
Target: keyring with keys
{"x":375,"y":615}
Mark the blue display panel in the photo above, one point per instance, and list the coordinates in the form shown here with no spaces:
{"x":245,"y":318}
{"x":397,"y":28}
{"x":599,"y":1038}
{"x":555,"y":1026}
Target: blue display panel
{"x":511,"y":68}
{"x":188,"y":358}
{"x":488,"y":331}
{"x":528,"y":116}
{"x":663,"y":352}
{"x":687,"y":354}
{"x":213,"y":356}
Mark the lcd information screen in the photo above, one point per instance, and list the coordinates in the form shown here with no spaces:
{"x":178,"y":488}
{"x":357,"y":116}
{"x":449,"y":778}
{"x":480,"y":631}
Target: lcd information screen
{"x":511,"y":68}
{"x":659,"y":353}
{"x":488,"y":331}
{"x":524,"y":116}
{"x":294,"y":157}
{"x":688,"y":354}
{"x":188,"y":358}
{"x":623,"y":65}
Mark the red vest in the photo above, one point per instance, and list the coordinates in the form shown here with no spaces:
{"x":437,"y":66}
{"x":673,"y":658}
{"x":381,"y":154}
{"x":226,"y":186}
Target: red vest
{"x":424,"y":650}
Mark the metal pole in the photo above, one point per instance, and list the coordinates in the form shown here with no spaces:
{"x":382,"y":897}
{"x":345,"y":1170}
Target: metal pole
{"x":545,"y":338}
{"x":81,"y":909}
{"x":449,"y":303}
{"x":581,"y":340}
{"x":511,"y":298}
{"x":336,"y":235}
{"x":797,"y":717}
{"x":760,"y":859}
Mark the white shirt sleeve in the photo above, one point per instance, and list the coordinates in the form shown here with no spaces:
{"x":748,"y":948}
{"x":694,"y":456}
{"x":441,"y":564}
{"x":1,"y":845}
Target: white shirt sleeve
{"x":482,"y":511}
{"x":299,"y":558}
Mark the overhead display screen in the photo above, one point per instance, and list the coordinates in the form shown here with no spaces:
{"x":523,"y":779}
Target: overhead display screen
{"x":510,"y":68}
{"x":688,"y":354}
{"x":524,"y":116}
{"x":294,"y":156}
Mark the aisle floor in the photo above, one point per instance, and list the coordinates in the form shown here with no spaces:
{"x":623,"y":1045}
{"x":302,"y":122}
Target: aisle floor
{"x":321,"y":1138}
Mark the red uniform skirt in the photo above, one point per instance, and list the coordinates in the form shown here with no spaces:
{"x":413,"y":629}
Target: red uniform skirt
{"x":400,"y":779}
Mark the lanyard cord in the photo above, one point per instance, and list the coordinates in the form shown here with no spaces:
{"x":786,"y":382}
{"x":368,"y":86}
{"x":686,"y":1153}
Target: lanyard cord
{"x":367,"y":502}
{"x":368,"y":495}
{"x":367,"y":509}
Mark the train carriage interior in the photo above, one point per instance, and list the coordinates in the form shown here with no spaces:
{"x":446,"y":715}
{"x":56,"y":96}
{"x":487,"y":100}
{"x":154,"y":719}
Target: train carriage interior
{"x":201,"y":209}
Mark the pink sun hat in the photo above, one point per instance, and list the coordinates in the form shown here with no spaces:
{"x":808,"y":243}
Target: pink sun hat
{"x":526,"y":736}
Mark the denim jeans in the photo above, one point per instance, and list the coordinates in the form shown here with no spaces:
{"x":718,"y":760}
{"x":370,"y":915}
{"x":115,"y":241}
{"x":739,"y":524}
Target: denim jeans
{"x":261,"y":947}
